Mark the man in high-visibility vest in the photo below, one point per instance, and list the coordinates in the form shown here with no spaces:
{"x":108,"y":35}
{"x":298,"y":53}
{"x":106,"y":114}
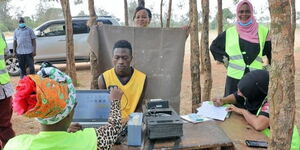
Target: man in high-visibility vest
{"x":6,"y":92}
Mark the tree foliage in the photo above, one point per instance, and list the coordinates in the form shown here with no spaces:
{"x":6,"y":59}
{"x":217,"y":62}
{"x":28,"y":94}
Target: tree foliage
{"x":131,"y":8}
{"x":227,"y":17}
{"x":6,"y":21}
{"x":46,"y":12}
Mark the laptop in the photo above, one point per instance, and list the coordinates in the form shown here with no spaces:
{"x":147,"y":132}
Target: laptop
{"x":93,"y":108}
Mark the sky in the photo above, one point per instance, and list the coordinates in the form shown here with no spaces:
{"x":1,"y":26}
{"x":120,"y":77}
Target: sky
{"x":116,"y":7}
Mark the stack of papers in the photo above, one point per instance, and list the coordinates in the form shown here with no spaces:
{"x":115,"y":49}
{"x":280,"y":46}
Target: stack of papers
{"x":207,"y":109}
{"x":194,"y":118}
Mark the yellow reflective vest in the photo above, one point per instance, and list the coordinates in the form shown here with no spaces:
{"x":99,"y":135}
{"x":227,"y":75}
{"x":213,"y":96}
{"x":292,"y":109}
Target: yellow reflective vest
{"x":237,"y":66}
{"x":132,"y":90}
{"x":4,"y":77}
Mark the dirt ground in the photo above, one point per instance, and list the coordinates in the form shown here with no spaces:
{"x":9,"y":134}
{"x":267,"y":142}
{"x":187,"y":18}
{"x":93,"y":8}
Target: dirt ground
{"x":23,"y":125}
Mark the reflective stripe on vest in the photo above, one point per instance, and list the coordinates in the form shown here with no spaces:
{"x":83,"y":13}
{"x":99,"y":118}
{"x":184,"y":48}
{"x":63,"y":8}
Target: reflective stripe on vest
{"x":237,"y":66}
{"x":295,"y":145}
{"x":4,"y":77}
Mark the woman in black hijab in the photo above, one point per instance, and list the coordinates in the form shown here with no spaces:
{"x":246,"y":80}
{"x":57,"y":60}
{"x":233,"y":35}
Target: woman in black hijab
{"x":250,"y":101}
{"x":250,"y":97}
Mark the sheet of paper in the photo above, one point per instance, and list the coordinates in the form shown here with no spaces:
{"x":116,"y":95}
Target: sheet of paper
{"x":194,"y":118}
{"x":207,"y":109}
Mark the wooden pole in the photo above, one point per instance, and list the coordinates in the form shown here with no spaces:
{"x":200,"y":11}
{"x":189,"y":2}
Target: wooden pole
{"x":282,"y":86}
{"x":169,"y":14}
{"x":220,"y":17}
{"x":161,"y":14}
{"x":194,"y":64}
{"x":205,"y":52}
{"x":126,"y":13}
{"x":95,"y":72}
{"x":71,"y":68}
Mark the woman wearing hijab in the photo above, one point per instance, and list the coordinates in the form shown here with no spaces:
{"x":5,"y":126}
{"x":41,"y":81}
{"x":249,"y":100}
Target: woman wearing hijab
{"x":250,"y":101}
{"x":50,"y":97}
{"x":241,"y":47}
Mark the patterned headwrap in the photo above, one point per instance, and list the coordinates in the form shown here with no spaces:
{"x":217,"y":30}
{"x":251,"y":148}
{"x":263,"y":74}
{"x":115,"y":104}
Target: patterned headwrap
{"x":48,"y":96}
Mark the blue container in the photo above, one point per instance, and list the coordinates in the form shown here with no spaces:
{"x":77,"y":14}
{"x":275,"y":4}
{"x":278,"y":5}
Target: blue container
{"x":135,"y":131}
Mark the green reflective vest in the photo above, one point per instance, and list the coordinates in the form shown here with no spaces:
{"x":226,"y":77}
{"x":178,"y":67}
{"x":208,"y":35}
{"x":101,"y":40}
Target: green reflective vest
{"x":55,"y":140}
{"x":237,"y":66}
{"x":4,"y":77}
{"x":295,"y":144}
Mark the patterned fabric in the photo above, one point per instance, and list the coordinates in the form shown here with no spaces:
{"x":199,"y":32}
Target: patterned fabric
{"x":48,"y":96}
{"x":265,"y":108}
{"x":6,"y":90}
{"x":59,"y":76}
{"x":25,"y":97}
{"x":103,"y":137}
{"x":23,"y":36}
{"x":107,"y":135}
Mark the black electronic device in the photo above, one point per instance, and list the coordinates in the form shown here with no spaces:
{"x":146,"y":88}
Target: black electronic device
{"x":157,"y":104}
{"x":258,"y":144}
{"x":162,"y":123}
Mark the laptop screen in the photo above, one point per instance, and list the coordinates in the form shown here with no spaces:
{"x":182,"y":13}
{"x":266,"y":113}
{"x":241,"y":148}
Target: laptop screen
{"x":92,"y":106}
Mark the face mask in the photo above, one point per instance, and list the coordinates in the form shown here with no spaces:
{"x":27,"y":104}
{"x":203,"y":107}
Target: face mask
{"x":22,"y":25}
{"x":245,"y":24}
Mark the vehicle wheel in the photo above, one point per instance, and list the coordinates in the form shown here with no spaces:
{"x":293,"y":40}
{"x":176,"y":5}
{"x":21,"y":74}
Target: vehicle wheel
{"x":12,"y":66}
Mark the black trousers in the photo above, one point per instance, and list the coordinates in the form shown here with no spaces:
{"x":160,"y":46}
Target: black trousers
{"x":26,"y":60}
{"x":230,"y":86}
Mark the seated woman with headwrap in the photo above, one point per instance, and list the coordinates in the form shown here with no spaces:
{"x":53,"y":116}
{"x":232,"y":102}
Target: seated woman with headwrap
{"x":50,"y":98}
{"x":250,"y":101}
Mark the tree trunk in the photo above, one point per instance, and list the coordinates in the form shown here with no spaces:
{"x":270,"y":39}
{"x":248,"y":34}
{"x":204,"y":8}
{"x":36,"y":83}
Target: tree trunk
{"x":71,"y":68}
{"x":161,"y":13}
{"x":194,"y":61}
{"x":293,"y":17}
{"x":93,"y":16}
{"x":93,"y":59}
{"x":169,"y":14}
{"x":205,"y":51}
{"x":126,"y":12}
{"x":220,"y":17}
{"x":282,"y":86}
{"x":141,"y":3}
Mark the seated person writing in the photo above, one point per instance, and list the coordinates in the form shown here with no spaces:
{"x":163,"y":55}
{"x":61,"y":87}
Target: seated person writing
{"x":50,"y":98}
{"x":131,"y":81}
{"x":251,"y":102}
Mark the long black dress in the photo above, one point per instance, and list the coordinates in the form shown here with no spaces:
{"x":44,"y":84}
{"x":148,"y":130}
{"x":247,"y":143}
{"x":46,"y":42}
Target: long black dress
{"x":217,"y":49}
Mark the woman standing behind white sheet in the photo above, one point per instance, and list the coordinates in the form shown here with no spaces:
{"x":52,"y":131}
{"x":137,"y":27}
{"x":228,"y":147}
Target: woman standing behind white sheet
{"x":142,"y":17}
